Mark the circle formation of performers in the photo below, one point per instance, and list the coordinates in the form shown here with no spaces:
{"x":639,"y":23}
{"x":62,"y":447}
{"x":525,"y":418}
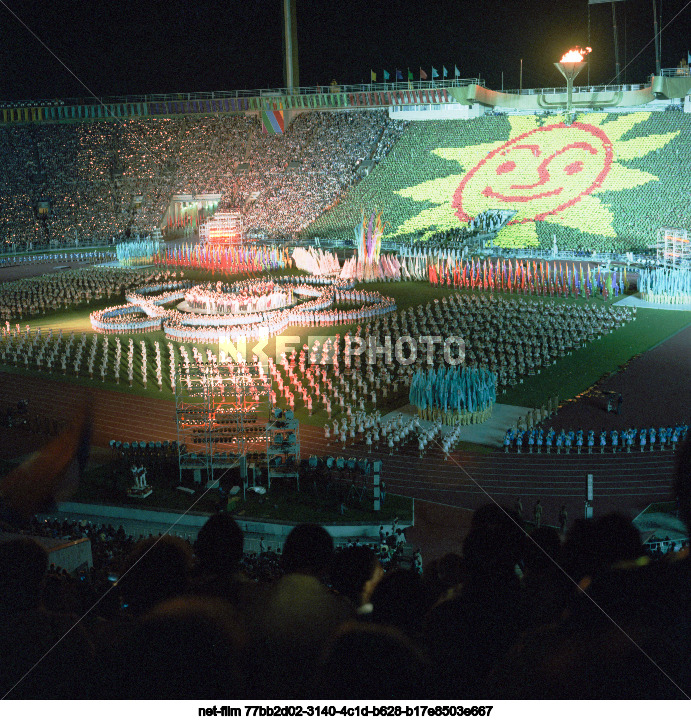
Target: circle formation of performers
{"x":247,"y":310}
{"x":238,"y":298}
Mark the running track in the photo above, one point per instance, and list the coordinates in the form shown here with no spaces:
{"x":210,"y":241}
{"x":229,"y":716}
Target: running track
{"x":625,"y":482}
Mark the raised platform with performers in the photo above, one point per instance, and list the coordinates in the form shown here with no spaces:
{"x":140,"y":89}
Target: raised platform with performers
{"x":222,"y":229}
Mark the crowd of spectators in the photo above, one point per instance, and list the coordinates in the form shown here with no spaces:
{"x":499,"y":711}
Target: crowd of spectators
{"x":432,"y":158}
{"x":301,"y":173}
{"x":538,"y":616}
{"x":62,"y":182}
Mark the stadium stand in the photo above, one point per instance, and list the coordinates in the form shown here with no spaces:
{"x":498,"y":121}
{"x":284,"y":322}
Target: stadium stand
{"x":90,"y":174}
{"x":316,"y":178}
{"x":414,"y":185}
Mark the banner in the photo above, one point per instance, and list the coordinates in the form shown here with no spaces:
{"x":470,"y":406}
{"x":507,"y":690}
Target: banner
{"x":272,"y":122}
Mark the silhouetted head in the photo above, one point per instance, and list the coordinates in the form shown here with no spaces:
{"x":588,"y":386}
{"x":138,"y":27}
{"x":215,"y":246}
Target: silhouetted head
{"x":595,"y":545}
{"x":23,"y":564}
{"x":367,"y":661}
{"x":157,"y":569}
{"x":541,"y":549}
{"x":494,"y":541}
{"x":187,"y":648}
{"x":308,"y":549}
{"x":219,"y":544}
{"x":399,"y":601}
{"x":450,"y":569}
{"x":352,"y":568}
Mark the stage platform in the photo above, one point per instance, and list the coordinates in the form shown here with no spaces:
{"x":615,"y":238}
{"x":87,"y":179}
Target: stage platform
{"x":638,"y":302}
{"x":489,"y":433}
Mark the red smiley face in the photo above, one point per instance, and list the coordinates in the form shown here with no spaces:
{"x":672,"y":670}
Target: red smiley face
{"x":538,"y":173}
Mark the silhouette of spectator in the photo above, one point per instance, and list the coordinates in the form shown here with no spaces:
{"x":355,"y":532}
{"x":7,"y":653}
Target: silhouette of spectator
{"x":186,"y":648}
{"x":470,"y":632}
{"x":627,"y":636}
{"x":545,"y":586}
{"x":399,"y":601}
{"x":33,"y":666}
{"x":441,"y":576}
{"x":355,"y":572}
{"x":594,"y":545}
{"x":308,"y":549}
{"x":218,"y":551}
{"x":367,"y":661}
{"x":157,"y":569}
{"x":295,"y":616}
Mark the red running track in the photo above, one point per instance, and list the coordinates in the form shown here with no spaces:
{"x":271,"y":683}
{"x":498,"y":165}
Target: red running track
{"x":624,"y":482}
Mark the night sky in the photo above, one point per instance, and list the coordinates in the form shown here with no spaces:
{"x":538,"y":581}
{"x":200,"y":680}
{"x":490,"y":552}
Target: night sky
{"x":141,"y":46}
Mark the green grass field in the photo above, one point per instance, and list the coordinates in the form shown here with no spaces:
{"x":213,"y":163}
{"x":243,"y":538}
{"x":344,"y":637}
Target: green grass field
{"x":567,"y":378}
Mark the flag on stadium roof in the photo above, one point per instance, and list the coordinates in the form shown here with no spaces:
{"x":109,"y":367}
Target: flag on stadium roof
{"x":372,"y":76}
{"x":399,"y":74}
{"x":386,"y":75}
{"x":444,"y":72}
{"x":423,"y":74}
{"x":435,"y":73}
{"x":410,"y":74}
{"x":457,"y":72}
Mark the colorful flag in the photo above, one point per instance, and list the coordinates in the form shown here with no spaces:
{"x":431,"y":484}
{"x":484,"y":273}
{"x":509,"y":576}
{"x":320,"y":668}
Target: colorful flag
{"x":372,"y":76}
{"x":386,"y":76}
{"x":272,"y":122}
{"x":444,"y":72}
{"x":456,"y":72}
{"x":435,"y":74}
{"x":423,"y":74}
{"x":399,"y":74}
{"x":410,"y":74}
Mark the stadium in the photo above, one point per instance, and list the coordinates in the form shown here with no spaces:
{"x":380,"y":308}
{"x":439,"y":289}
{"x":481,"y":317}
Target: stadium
{"x":320,"y":375}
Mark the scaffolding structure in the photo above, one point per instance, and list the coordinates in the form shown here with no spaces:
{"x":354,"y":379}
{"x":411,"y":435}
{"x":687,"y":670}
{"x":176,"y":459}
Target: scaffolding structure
{"x":673,"y":248}
{"x":283,"y":447}
{"x":222,"y":229}
{"x":222,"y":411}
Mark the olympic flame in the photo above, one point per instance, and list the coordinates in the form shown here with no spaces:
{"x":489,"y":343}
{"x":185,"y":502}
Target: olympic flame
{"x":575,"y":55}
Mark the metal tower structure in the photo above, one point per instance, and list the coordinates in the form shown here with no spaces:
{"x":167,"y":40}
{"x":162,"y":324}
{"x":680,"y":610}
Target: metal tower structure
{"x":673,"y":248}
{"x":283,"y":446}
{"x":291,"y":72}
{"x":221,"y":410}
